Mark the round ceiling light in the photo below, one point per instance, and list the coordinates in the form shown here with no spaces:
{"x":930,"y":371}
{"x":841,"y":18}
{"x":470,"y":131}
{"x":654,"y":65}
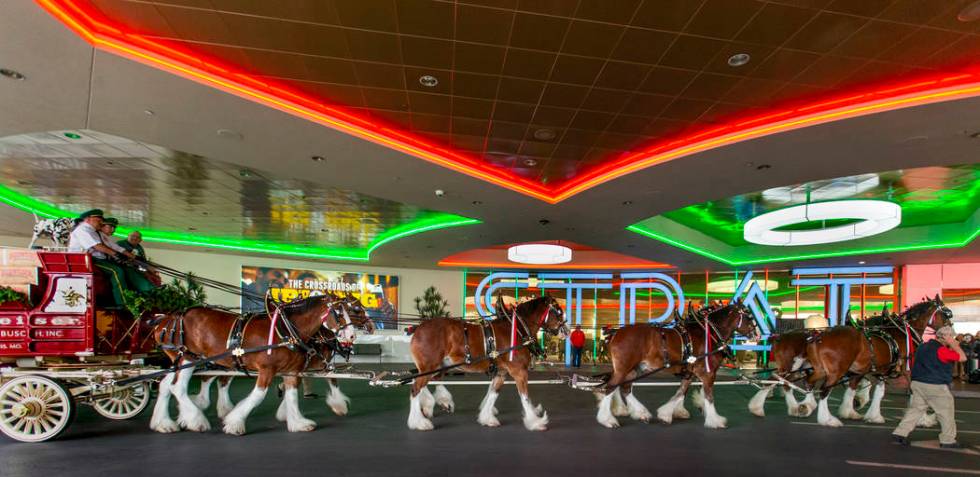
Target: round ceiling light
{"x":874,"y":217}
{"x":14,"y":75}
{"x":530,"y":162}
{"x":428,"y":81}
{"x":539,"y":254}
{"x":545,"y":134}
{"x":738,"y":59}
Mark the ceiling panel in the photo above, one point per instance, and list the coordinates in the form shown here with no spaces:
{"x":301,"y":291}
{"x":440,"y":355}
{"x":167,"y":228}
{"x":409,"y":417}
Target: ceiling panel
{"x":546,"y":74}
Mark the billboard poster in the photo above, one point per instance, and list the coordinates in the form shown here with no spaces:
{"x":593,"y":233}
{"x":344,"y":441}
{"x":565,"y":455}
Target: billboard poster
{"x":378,"y":293}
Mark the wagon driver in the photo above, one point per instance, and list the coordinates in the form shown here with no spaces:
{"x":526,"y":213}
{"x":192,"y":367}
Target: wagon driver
{"x":87,"y":237}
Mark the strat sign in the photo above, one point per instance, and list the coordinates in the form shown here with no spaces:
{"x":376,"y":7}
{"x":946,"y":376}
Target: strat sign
{"x":747,"y":290}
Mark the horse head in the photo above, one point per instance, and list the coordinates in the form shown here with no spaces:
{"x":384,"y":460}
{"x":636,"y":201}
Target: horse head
{"x":734,"y":318}
{"x":545,"y":313}
{"x":929,"y":313}
{"x":356,"y":313}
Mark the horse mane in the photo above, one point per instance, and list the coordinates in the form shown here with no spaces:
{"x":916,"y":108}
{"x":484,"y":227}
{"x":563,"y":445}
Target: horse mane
{"x":304,"y":305}
{"x":918,"y":307}
{"x":523,"y":307}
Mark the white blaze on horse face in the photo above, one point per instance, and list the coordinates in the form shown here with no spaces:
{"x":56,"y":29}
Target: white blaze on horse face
{"x":346,"y":335}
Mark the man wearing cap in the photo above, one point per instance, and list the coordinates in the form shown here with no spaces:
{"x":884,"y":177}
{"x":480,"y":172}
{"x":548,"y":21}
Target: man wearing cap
{"x":135,"y":279}
{"x":87,"y":238}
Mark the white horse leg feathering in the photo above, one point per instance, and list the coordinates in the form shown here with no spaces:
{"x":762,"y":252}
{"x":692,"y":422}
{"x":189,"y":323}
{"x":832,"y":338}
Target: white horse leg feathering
{"x":295,"y":422}
{"x":444,"y":399}
{"x":203,"y":397}
{"x":619,"y":408}
{"x":235,"y":420}
{"x":824,"y":417}
{"x":846,"y":409}
{"x":338,"y":402}
{"x":416,"y":420}
{"x":190,"y":417}
{"x":224,"y":398}
{"x":488,"y":410}
{"x":161,"y":421}
{"x":874,"y":410}
{"x":533,"y":421}
{"x":758,"y":401}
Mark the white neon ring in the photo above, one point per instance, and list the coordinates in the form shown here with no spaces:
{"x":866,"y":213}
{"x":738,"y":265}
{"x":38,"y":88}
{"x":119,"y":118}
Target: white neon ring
{"x":876,"y":216}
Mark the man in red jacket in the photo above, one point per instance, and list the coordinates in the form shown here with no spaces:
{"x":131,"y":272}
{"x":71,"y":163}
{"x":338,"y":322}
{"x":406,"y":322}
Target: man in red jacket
{"x":578,"y":341}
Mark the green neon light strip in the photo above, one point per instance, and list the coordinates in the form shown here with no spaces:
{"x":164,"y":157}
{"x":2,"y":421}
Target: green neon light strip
{"x":737,"y":263}
{"x":440,"y":221}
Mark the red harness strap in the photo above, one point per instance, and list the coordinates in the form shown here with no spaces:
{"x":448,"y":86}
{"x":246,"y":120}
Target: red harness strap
{"x":707,"y":346}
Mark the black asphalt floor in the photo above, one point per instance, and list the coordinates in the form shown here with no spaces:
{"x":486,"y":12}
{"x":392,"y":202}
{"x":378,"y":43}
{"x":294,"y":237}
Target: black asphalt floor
{"x":374,"y":441}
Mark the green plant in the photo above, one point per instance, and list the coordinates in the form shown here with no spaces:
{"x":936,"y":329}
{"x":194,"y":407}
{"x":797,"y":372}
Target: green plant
{"x":169,"y":298}
{"x":8,"y":294}
{"x":431,"y":304}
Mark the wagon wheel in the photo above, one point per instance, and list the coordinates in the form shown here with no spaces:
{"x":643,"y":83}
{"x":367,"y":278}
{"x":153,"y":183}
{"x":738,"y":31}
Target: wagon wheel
{"x":35,"y":408}
{"x":125,"y":403}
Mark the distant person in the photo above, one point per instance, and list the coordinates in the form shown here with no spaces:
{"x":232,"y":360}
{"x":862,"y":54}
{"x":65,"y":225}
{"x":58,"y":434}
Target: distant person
{"x":932,"y":373}
{"x":578,"y":342}
{"x":133,"y":244}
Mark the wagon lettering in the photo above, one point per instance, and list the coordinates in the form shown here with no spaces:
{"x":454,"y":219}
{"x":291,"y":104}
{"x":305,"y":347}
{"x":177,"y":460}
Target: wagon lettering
{"x":17,"y":334}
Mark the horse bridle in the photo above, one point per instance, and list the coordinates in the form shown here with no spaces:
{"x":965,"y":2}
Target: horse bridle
{"x":562,"y":323}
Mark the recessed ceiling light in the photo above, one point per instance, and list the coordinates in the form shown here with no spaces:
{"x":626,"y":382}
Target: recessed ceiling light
{"x":230,"y":134}
{"x":14,"y":75}
{"x":71,"y":135}
{"x":539,"y":254}
{"x":245,"y":173}
{"x":763,"y":167}
{"x":544,"y":221}
{"x":627,"y":202}
{"x":545,"y":134}
{"x":530,"y":162}
{"x":192,"y":228}
{"x":477,"y":202}
{"x":862,"y":262}
{"x":148,"y":112}
{"x":428,"y":81}
{"x":440,"y":193}
{"x":738,"y":59}
{"x":317,"y":158}
{"x":969,"y":13}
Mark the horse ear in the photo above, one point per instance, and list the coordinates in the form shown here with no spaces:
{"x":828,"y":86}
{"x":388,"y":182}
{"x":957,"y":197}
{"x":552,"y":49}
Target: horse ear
{"x":937,"y":296}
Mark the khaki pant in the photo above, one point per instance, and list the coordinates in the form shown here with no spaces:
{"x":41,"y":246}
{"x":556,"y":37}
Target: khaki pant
{"x":924,"y":396}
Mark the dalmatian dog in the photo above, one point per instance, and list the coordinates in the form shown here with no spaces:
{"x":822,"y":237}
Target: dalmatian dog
{"x":57,"y":230}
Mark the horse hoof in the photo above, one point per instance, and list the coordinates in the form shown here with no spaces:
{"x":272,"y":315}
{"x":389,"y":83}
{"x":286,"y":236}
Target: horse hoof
{"x":165,"y":427}
{"x":195,"y":425}
{"x":681,"y":413}
{"x":833,"y":423}
{"x":421,"y":425}
{"x":490,"y":422}
{"x":875,"y":420}
{"x":234,"y":428}
{"x":339,"y":410}
{"x":305,"y":425}
{"x":611,"y":423}
{"x":450,"y":408}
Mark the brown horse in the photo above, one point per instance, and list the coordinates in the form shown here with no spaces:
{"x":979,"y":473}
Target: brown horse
{"x":441,"y":341}
{"x":201,"y":332}
{"x":694,"y":347}
{"x":879,"y":353}
{"x":328,"y":346}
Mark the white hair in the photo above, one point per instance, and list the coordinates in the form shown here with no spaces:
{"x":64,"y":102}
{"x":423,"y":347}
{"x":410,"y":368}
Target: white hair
{"x":946,"y":331}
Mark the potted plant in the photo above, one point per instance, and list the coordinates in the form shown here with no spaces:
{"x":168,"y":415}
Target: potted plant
{"x":431,"y":304}
{"x":10,"y":298}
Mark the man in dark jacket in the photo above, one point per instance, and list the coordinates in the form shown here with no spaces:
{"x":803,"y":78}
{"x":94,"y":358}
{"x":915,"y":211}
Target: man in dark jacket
{"x":932,"y":372}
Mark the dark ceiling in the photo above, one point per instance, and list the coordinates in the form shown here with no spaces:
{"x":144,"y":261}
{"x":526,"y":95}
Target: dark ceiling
{"x":549,"y":89}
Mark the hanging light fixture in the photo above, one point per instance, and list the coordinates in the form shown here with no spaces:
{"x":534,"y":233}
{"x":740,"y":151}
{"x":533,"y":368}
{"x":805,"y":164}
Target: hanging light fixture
{"x":873,"y":216}
{"x":539,"y":254}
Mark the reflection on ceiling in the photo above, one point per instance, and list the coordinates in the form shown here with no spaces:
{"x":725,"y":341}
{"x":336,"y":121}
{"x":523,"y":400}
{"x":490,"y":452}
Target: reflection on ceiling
{"x":581,"y":257}
{"x":172,"y":196}
{"x":550,"y":98}
{"x":938,"y":210}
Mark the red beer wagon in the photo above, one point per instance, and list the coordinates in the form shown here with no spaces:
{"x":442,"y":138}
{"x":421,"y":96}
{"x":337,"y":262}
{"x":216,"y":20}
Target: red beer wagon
{"x":61,"y":349}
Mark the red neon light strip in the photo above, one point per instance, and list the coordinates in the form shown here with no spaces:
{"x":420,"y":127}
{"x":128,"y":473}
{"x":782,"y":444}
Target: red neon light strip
{"x":89,"y":24}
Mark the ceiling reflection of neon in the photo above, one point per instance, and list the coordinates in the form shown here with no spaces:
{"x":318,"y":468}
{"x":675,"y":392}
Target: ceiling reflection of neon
{"x":441,"y":221}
